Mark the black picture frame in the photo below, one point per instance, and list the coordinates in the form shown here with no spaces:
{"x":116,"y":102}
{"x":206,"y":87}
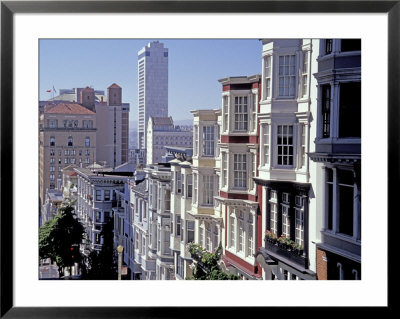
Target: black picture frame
{"x":9,"y":8}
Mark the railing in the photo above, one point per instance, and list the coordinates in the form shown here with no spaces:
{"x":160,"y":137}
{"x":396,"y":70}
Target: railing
{"x":296,"y":256}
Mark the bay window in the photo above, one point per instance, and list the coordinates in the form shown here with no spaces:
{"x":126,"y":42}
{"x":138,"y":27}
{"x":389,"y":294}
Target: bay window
{"x":194,"y":188}
{"x":225,"y":110}
{"x":273,"y":213}
{"x":208,"y":190}
{"x":241,"y":235}
{"x":208,"y":140}
{"x":299,"y":224}
{"x":233,"y":231}
{"x":195,"y":140}
{"x":241,"y":113}
{"x":224,"y":169}
{"x":250,"y":237}
{"x":326,"y":110}
{"x":285,"y":145}
{"x":267,"y":75}
{"x":265,"y":144}
{"x":240,"y":170}
{"x":304,"y":77}
{"x":287,"y":76}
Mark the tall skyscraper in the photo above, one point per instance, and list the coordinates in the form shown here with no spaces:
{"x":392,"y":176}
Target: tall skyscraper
{"x":152,"y":86}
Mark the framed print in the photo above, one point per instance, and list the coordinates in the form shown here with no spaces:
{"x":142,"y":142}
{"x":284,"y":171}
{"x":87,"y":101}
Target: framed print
{"x":246,"y":190}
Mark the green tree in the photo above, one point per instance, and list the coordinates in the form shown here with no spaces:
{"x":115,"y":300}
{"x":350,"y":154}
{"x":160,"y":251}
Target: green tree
{"x":103,"y":264}
{"x":59,"y":238}
{"x":207,"y":267}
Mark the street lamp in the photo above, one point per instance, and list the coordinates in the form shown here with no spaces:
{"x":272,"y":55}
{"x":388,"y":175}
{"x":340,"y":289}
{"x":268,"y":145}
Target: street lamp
{"x":120,"y":249}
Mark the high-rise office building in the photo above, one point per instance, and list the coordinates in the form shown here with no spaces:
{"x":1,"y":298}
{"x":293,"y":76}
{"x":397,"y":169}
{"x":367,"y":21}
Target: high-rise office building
{"x":152,"y":86}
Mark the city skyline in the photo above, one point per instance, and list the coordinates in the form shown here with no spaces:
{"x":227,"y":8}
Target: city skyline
{"x":71,"y":63}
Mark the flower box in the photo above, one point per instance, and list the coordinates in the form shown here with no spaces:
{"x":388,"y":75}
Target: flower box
{"x":282,"y":250}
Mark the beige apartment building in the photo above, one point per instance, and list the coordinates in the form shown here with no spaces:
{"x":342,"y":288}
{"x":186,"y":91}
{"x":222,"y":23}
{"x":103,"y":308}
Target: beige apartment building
{"x":67,"y":136}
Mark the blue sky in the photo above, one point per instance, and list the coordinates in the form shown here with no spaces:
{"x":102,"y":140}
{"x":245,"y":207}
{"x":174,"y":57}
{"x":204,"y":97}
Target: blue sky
{"x":195,"y":65}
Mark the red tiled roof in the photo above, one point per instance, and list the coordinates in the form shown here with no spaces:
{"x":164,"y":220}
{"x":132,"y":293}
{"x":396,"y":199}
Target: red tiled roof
{"x":114,"y":86}
{"x":67,"y":108}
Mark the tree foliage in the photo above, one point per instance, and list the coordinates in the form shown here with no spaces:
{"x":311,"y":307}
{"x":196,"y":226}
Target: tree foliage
{"x":60,"y":237}
{"x":207,"y":267}
{"x":103,"y":264}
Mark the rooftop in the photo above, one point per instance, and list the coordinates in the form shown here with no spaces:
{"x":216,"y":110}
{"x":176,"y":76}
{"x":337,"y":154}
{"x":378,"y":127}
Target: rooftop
{"x":114,"y":86}
{"x":66,"y":108}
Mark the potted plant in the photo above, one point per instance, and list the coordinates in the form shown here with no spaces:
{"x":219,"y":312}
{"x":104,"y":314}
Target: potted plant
{"x":271,"y":237}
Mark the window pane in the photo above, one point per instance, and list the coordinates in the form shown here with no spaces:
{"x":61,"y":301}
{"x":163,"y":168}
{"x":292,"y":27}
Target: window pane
{"x":350,"y":110}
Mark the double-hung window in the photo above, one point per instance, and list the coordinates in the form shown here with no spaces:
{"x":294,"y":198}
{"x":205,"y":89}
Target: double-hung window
{"x":287,"y":76}
{"x":273,"y":203}
{"x":178,"y":182}
{"x":240,"y":170}
{"x":285,"y":145}
{"x":224,"y":169}
{"x":208,"y":192}
{"x":267,"y":74}
{"x":241,"y":234}
{"x":326,"y":110}
{"x":299,"y":224}
{"x":225,"y":109}
{"x":241,"y":113}
{"x":250,"y":236}
{"x":254,"y":113}
{"x":285,"y":215}
{"x":304,"y":76}
{"x":194,"y":188}
{"x":233,"y":231}
{"x":265,"y":144}
{"x":178,"y":225}
{"x":189,"y":185}
{"x":208,"y":140}
{"x":195,"y":140}
{"x":190,"y":231}
{"x":302,"y":145}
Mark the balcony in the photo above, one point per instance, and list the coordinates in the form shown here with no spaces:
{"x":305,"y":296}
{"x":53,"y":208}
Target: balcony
{"x":278,"y":251}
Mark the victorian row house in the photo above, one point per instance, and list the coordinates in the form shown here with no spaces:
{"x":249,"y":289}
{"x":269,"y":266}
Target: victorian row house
{"x":286,"y":181}
{"x":338,"y":156}
{"x":273,"y":176}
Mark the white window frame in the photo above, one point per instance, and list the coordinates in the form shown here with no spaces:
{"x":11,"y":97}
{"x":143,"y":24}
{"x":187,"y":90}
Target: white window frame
{"x":273,"y":203}
{"x":208,"y":138}
{"x":241,"y":117}
{"x":195,"y":188}
{"x":225,"y":110}
{"x":287,"y":75}
{"x":265,"y":151}
{"x":225,"y":169}
{"x":267,"y":76}
{"x":232,"y":231}
{"x":250,"y":237}
{"x":196,"y":140}
{"x":208,"y":190}
{"x":240,"y":171}
{"x":304,"y":75}
{"x":280,"y":133}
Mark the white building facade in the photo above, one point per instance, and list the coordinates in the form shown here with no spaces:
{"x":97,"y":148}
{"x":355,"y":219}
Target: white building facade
{"x":287,"y":178}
